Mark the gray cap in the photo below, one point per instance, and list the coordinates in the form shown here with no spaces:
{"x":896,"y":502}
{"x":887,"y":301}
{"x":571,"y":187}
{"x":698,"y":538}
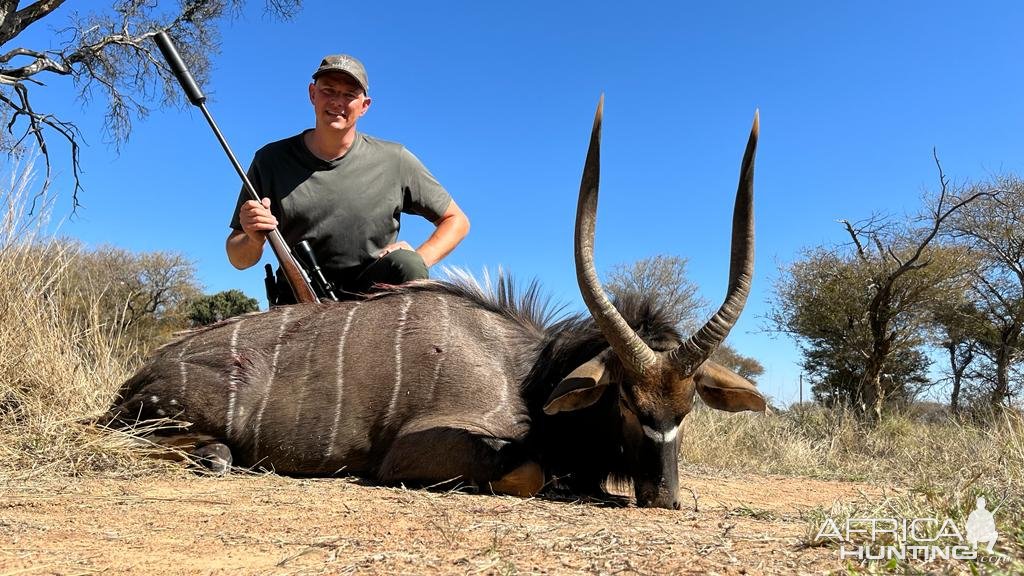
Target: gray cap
{"x":348,"y":65}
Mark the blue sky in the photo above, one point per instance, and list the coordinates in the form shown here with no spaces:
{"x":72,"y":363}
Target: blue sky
{"x":497,"y":99}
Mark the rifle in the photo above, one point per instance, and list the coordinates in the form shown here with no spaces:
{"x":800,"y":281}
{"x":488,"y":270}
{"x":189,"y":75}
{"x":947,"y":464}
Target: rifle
{"x":306,"y":257}
{"x":295,"y":274}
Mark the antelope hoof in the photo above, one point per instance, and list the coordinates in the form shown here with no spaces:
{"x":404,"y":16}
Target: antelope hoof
{"x":214,"y":457}
{"x":524,"y":482}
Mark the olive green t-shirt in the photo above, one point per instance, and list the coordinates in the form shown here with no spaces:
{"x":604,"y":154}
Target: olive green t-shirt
{"x":349,"y":208}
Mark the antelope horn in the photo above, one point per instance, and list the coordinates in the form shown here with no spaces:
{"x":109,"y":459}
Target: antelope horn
{"x":691,"y":353}
{"x":630,"y":348}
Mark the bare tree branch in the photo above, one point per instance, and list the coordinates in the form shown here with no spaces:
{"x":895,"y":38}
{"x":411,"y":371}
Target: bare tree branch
{"x":108,"y":54}
{"x":939,"y":215}
{"x":853,"y":236}
{"x":37,"y":122}
{"x":14,"y":24}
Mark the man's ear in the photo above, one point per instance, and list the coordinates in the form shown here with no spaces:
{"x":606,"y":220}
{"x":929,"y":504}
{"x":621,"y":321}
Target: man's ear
{"x":312,"y":87}
{"x":581,"y":388}
{"x":723,"y":389}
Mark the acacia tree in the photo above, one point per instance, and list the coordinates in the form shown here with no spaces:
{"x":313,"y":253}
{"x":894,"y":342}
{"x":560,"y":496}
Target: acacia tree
{"x":143,"y":297}
{"x":108,"y":55}
{"x":958,"y":327}
{"x":866,"y":304}
{"x":745,"y":366}
{"x":861,"y":331}
{"x":991,"y":227}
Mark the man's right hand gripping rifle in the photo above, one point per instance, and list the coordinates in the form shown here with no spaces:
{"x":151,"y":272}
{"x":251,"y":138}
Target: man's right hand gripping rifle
{"x":245,"y":250}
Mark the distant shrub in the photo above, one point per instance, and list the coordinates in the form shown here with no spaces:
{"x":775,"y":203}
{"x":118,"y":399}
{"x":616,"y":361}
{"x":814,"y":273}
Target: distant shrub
{"x":211,"y":308}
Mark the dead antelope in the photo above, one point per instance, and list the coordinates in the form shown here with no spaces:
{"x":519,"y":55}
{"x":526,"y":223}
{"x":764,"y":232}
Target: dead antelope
{"x":432,"y":381}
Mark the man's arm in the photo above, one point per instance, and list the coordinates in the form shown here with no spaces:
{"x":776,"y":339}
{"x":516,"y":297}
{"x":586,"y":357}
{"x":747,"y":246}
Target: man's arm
{"x":245,"y":246}
{"x":450,"y":229}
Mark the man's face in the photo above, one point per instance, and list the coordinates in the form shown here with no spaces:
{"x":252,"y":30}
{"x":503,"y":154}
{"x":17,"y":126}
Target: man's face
{"x":337,"y":100}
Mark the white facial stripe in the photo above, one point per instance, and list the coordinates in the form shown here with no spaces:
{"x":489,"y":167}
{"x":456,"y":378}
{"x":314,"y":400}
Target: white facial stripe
{"x":661,"y":437}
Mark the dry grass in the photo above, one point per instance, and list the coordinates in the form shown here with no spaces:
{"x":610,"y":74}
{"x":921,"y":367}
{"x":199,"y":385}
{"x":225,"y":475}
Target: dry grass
{"x":55,"y":369}
{"x":837,"y":445}
{"x":931,"y":469}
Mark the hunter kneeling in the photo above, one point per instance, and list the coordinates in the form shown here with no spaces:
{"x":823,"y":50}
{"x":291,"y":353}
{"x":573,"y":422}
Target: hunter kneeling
{"x":343,"y":191}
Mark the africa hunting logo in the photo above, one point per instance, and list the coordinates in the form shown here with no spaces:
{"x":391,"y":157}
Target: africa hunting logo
{"x":923,"y":539}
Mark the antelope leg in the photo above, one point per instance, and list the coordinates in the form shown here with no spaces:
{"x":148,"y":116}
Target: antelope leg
{"x":449,"y":454}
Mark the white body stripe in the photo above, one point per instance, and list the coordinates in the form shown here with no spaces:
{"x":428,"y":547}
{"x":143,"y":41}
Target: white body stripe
{"x":444,"y":319}
{"x":232,"y":381}
{"x":406,"y":303}
{"x":497,"y":368}
{"x":340,"y":385}
{"x":182,"y":369}
{"x":301,"y":386}
{"x":502,"y":402}
{"x":661,"y":437}
{"x":270,"y":379}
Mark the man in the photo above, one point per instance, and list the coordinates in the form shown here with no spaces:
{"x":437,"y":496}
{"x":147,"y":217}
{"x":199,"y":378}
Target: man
{"x":344,"y":191}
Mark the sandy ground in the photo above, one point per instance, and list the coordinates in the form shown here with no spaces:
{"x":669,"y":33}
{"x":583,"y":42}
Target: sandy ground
{"x":184,"y":524}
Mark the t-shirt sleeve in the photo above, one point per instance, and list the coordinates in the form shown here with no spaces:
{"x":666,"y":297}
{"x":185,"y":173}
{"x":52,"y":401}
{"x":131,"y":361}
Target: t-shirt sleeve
{"x":422,"y":194}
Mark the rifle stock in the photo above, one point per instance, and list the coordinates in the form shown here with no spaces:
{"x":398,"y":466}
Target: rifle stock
{"x":294,"y":273}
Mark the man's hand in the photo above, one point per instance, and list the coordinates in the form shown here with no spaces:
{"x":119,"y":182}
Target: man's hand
{"x":245,"y":246}
{"x":401,"y":245}
{"x":256,"y":219}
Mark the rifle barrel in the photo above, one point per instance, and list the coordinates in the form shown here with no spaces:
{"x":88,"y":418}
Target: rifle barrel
{"x":297,"y":277}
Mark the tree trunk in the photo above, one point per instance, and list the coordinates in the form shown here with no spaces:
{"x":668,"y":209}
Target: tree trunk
{"x":872,"y":394}
{"x":957,"y":369}
{"x":954,"y":400}
{"x":1002,"y":388}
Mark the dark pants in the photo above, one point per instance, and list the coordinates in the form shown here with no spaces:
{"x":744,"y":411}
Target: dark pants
{"x":396,"y":268}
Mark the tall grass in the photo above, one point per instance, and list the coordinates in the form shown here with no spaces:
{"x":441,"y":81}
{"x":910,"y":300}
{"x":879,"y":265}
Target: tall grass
{"x":55,"y":368}
{"x":928,"y":469}
{"x":836,"y":444}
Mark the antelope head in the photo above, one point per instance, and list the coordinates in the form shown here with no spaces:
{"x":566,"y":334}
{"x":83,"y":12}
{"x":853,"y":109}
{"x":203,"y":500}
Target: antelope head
{"x":656,"y":388}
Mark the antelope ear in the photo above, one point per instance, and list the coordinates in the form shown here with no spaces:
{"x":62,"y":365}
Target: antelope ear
{"x":723,"y":389}
{"x":581,"y":388}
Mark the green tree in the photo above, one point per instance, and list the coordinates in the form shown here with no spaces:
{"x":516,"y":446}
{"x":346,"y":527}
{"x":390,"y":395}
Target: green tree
{"x":861,"y":312}
{"x":142,"y":297}
{"x":745,"y":366}
{"x":991,"y":227}
{"x":108,"y":54}
{"x":212,"y":308}
{"x":665,"y":277}
{"x":958,"y":327}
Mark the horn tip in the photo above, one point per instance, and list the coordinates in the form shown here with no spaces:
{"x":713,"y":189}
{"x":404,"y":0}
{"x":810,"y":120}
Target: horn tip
{"x":599,"y":114}
{"x":756,"y":128}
